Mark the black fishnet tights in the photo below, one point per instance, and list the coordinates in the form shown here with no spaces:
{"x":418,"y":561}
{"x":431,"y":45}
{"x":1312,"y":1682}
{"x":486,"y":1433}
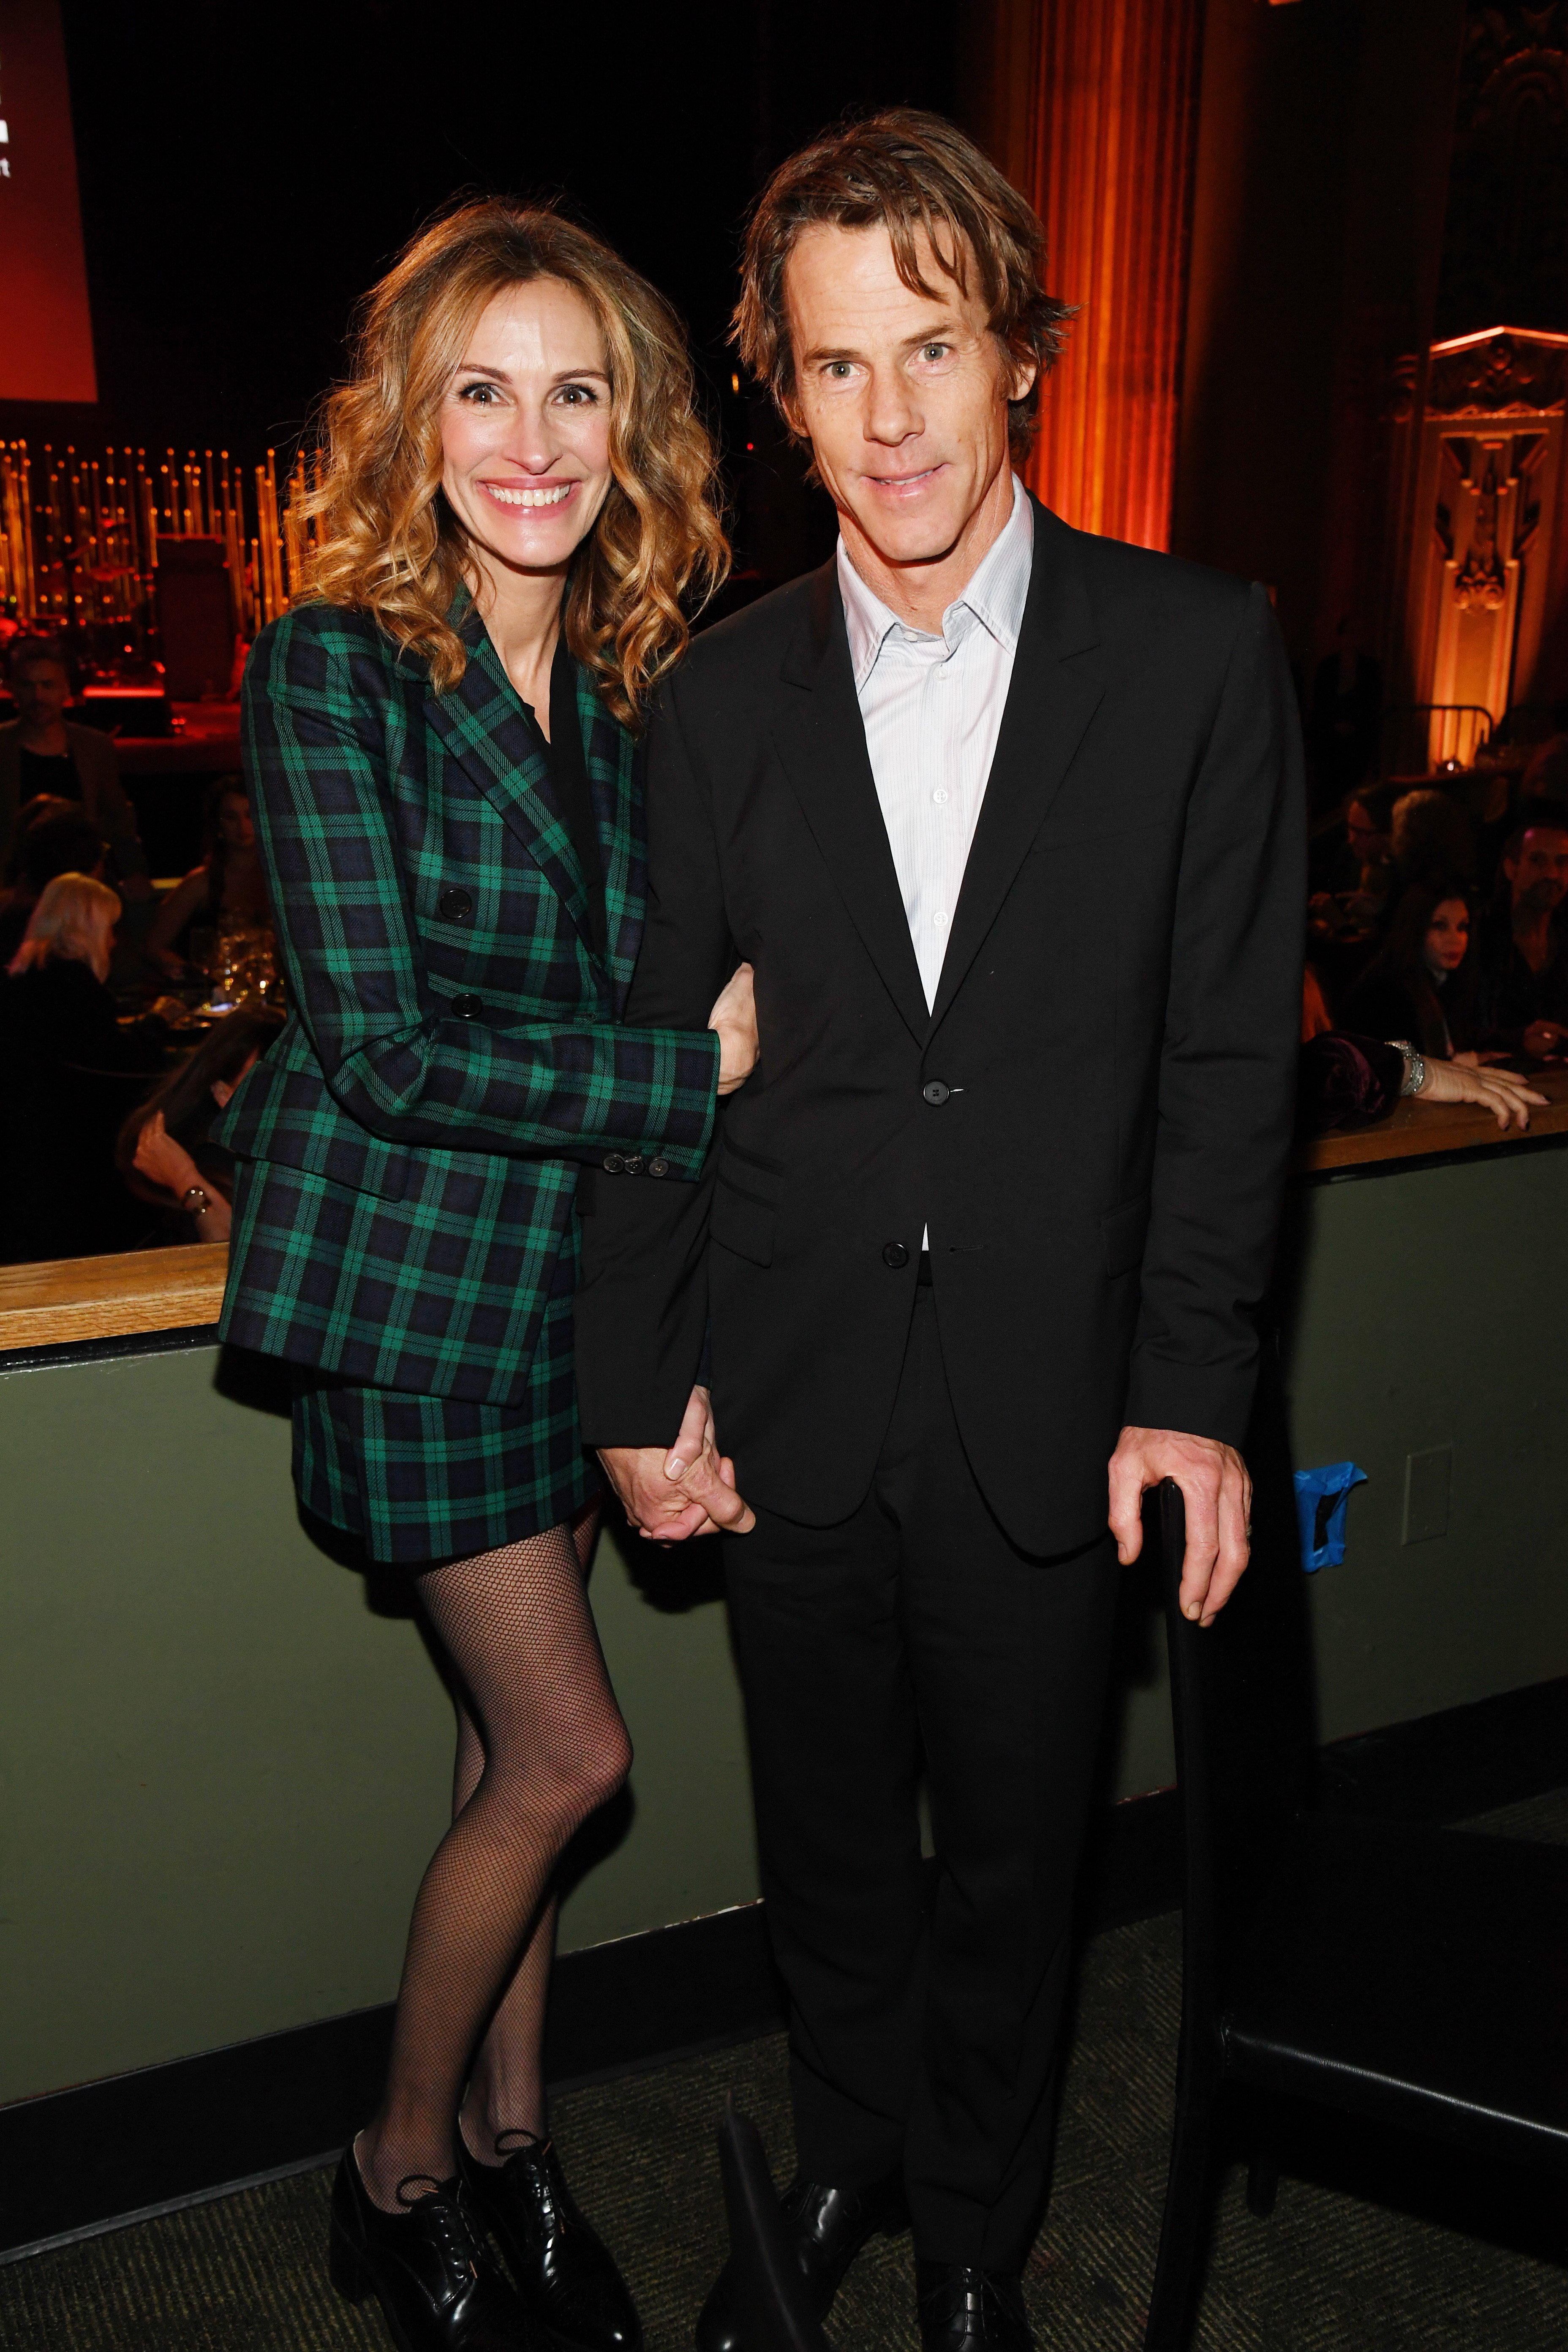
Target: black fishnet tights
{"x":539,"y":1744}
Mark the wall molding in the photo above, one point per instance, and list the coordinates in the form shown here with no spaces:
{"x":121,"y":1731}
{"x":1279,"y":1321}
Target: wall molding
{"x":102,"y":2155}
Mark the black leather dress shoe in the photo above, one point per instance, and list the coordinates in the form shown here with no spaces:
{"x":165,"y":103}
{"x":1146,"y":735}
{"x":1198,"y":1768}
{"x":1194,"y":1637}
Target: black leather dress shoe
{"x":964,"y":2309}
{"x":439,"y":2285}
{"x":829,"y":2226}
{"x":564,"y":2273}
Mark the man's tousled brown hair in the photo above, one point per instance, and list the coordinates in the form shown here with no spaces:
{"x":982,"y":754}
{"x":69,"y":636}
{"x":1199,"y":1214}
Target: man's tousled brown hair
{"x":387,"y":541}
{"x":905,"y":170}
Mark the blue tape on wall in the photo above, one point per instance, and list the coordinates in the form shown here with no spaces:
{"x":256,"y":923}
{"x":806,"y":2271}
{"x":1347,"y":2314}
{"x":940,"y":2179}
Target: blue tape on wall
{"x":1320,"y":1500}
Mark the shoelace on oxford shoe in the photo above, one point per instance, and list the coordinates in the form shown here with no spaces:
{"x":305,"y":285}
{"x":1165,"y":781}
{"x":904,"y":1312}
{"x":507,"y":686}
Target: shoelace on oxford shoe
{"x":986,"y":2306}
{"x":452,"y":2227}
{"x":534,"y":2154}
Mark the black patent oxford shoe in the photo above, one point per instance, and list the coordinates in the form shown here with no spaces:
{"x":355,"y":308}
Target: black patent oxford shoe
{"x":563,"y":2272}
{"x":828,"y":2227}
{"x":438,"y":2284}
{"x":964,"y":2309}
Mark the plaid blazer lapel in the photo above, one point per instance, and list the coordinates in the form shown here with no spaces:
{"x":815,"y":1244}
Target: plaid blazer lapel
{"x":481,"y":724}
{"x":615,"y":785}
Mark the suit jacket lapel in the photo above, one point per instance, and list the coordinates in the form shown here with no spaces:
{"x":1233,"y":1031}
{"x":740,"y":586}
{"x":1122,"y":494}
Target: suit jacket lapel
{"x":615,"y":785}
{"x":822,"y":741}
{"x":481,"y":723}
{"x":1051,"y":702}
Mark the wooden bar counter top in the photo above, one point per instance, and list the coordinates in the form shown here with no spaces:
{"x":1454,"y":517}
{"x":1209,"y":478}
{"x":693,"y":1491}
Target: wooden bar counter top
{"x":68,"y":1301}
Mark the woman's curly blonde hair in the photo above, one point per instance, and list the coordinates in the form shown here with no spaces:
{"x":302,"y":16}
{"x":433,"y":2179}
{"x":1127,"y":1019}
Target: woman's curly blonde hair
{"x":387,"y":539}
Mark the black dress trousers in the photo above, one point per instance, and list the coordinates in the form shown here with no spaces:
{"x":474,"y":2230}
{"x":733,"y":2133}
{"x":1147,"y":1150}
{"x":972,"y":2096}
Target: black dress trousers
{"x":915,"y":1632}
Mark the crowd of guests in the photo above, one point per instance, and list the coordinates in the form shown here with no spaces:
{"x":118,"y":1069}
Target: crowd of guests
{"x":104,"y":1110}
{"x":1426,"y":927}
{"x":1444,"y":931}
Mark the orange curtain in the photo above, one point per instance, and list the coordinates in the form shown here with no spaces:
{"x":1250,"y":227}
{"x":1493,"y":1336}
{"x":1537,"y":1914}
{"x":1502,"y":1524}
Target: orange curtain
{"x":1109,"y":170}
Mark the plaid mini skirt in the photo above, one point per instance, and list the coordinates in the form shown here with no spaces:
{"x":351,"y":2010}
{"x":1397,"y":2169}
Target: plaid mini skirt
{"x":420,"y":1479}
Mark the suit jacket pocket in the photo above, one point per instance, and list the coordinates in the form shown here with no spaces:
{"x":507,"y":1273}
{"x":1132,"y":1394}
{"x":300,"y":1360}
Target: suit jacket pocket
{"x":1122,"y":1231}
{"x":745,"y":1204}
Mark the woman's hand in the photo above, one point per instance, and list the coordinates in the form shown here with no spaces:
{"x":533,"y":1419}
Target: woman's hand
{"x":164,"y":1161}
{"x":735,"y":1018}
{"x":1507,"y":1098}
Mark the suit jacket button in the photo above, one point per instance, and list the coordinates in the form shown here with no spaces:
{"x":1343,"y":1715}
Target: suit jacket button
{"x":633,"y":1163}
{"x":468,"y":1008}
{"x":934,"y":1091}
{"x":614,"y":1163}
{"x":658,"y":1167}
{"x":895,"y":1254}
{"x":454,"y":906}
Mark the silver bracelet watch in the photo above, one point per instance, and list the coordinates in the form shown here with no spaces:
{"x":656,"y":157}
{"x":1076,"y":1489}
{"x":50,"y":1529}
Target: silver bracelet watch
{"x":1415,"y":1065}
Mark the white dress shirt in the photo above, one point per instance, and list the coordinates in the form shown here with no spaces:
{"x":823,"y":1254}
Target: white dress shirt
{"x":932,"y":708}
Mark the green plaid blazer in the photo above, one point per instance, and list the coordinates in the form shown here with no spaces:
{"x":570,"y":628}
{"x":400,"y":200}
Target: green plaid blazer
{"x":409,"y":1147}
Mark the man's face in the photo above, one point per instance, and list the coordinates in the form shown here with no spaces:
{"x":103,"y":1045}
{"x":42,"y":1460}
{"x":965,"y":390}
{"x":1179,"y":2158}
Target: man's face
{"x":1538,"y":877}
{"x":40,"y":690}
{"x":903,"y":396}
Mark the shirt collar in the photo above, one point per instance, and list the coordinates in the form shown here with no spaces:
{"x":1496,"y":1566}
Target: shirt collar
{"x":995,"y":595}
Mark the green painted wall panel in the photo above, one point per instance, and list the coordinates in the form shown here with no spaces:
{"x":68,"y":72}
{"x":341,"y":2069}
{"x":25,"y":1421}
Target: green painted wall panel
{"x":224,"y":1763}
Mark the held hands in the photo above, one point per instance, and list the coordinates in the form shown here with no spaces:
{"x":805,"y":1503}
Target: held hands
{"x":734,"y":1016}
{"x":688,"y":1490}
{"x":1217,"y":1494}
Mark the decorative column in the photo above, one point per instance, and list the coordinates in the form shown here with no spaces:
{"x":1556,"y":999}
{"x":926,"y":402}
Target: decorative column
{"x":1111,"y":128}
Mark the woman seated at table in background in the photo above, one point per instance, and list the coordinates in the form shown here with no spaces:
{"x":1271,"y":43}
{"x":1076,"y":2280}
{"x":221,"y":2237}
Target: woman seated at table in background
{"x":65,"y":1062}
{"x":1422,"y":983}
{"x":164,"y":1154}
{"x":226,"y":892}
{"x":1346,"y":1079}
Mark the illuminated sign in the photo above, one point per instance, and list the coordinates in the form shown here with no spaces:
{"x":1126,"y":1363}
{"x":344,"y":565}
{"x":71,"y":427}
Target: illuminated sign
{"x":46,"y":332}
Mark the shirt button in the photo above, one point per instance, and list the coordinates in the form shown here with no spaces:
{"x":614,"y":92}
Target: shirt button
{"x":939,"y":922}
{"x":895,"y":1254}
{"x":934,"y":1091}
{"x":468,"y":1008}
{"x":454,"y":906}
{"x":939,"y":797}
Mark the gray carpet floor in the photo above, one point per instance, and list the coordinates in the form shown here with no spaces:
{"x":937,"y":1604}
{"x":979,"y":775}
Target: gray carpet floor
{"x":1328,"y":2272}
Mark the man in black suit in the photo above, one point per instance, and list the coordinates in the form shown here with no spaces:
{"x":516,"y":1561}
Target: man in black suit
{"x":996,"y":1207}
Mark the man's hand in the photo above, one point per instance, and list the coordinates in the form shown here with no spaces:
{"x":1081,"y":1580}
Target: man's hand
{"x":1543,"y":1039}
{"x":734,"y":1016}
{"x":687,"y":1489}
{"x":1218,"y":1493}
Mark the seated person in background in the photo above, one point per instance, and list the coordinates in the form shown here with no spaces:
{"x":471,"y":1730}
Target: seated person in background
{"x":1344,"y":1080}
{"x":53,"y":838}
{"x":1522,"y":952}
{"x":65,"y":1062}
{"x":1422,"y":983}
{"x":42,"y":752}
{"x":1431,"y":835}
{"x":227,"y":891}
{"x":164,"y":1153}
{"x":1358,"y":862}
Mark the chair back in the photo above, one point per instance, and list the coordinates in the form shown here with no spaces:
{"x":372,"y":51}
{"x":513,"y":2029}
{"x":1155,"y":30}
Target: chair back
{"x":1242,"y":1706}
{"x":771,"y":2305}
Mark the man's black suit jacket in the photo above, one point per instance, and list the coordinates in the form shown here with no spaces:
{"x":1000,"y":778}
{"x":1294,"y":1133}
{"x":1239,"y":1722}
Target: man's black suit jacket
{"x":1094,"y":1116}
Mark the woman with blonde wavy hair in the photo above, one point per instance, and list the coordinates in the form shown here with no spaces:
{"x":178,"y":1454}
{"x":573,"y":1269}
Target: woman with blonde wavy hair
{"x":514,"y":516}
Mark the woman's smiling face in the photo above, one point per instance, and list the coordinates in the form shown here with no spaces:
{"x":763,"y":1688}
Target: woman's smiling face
{"x":525,"y":426}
